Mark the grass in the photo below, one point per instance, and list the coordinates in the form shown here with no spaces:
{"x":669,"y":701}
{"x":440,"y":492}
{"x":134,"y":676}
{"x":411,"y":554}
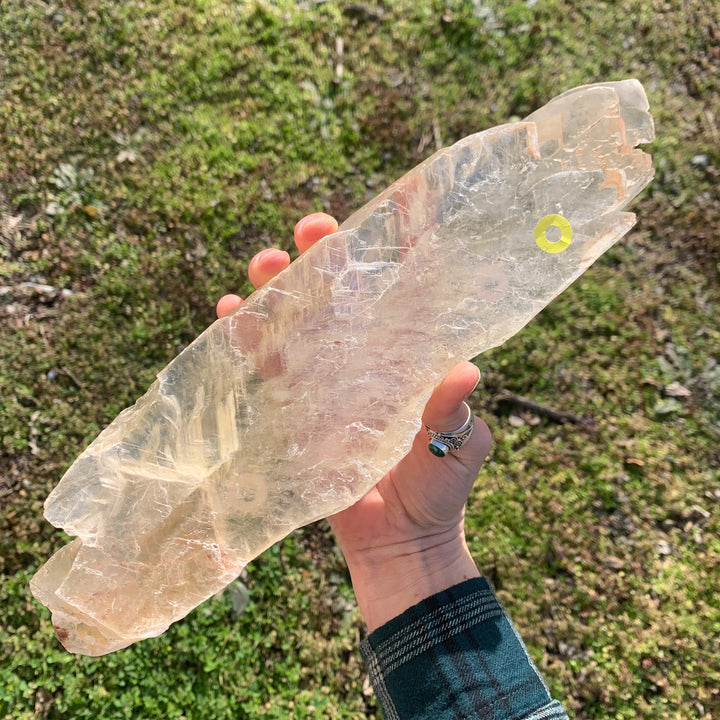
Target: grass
{"x":148,"y":150}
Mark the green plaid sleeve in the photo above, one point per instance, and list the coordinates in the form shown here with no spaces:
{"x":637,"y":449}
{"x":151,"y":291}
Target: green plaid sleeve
{"x":456,"y":656}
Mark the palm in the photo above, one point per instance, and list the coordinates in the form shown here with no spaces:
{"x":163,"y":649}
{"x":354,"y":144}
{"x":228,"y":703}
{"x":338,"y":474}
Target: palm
{"x":421,"y":494}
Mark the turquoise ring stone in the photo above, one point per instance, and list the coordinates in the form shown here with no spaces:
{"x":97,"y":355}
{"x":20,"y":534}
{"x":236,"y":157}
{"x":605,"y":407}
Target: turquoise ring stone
{"x":438,"y":449}
{"x":442,"y":443}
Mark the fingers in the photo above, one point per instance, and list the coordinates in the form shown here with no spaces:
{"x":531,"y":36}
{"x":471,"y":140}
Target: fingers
{"x":269,"y":263}
{"x":263,"y":267}
{"x":266,"y":265}
{"x":313,"y":228}
{"x":227,"y":304}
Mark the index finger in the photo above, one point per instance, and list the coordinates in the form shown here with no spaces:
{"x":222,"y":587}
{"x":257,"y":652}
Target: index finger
{"x":312,"y":228}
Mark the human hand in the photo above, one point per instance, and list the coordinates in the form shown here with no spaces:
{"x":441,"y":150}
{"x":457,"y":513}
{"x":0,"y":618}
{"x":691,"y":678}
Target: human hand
{"x":405,"y":539}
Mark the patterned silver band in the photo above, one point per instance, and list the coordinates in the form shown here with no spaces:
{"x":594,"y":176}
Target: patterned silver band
{"x":442,"y":443}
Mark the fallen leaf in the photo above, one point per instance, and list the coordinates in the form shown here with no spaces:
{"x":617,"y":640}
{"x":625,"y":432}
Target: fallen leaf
{"x":651,"y":381}
{"x":91,"y":210}
{"x":126,"y":156}
{"x":638,"y":462}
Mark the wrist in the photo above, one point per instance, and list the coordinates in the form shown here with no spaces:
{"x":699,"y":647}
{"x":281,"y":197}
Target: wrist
{"x":389,"y":580}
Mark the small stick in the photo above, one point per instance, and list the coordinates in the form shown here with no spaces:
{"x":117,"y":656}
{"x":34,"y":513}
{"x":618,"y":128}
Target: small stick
{"x":559,"y":416}
{"x":69,"y":374}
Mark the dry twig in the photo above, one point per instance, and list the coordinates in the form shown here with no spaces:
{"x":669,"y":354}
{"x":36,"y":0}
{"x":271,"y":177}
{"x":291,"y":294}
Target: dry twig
{"x":558,"y":416}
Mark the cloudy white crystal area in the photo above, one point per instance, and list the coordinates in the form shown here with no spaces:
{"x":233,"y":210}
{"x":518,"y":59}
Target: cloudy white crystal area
{"x":292,"y":408}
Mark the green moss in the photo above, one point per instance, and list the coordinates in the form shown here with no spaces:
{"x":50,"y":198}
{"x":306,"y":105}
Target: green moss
{"x":175,"y":140}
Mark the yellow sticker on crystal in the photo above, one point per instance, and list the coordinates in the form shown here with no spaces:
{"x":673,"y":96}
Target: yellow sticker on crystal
{"x":553,"y":246}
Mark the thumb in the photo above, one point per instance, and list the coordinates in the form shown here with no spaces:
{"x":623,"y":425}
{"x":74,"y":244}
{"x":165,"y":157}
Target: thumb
{"x":445,"y":412}
{"x":434,"y":489}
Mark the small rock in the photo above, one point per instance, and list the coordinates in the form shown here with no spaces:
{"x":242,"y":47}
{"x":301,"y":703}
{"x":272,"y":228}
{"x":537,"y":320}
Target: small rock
{"x":565,"y":650}
{"x":698,"y":513}
{"x":700,"y":161}
{"x":662,"y":547}
{"x":614,"y":563}
{"x":713,"y":494}
{"x":340,"y":606}
{"x":667,"y":406}
{"x":677,"y":390}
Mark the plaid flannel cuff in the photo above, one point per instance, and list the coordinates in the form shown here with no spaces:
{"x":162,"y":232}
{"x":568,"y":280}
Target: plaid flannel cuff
{"x":456,"y":656}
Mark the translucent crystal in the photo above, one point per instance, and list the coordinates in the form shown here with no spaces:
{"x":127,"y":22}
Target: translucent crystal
{"x":296,"y":405}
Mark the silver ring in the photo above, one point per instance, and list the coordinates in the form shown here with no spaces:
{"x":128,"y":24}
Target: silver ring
{"x":442,"y":443}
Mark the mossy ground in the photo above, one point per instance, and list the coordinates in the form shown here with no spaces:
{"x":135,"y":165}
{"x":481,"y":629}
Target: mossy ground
{"x":147,"y":150}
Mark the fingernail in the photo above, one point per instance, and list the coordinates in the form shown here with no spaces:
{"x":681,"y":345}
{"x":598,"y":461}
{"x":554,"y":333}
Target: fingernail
{"x":306,"y":220}
{"x":266,"y":252}
{"x":321,"y":217}
{"x":477,"y":383}
{"x":301,"y":224}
